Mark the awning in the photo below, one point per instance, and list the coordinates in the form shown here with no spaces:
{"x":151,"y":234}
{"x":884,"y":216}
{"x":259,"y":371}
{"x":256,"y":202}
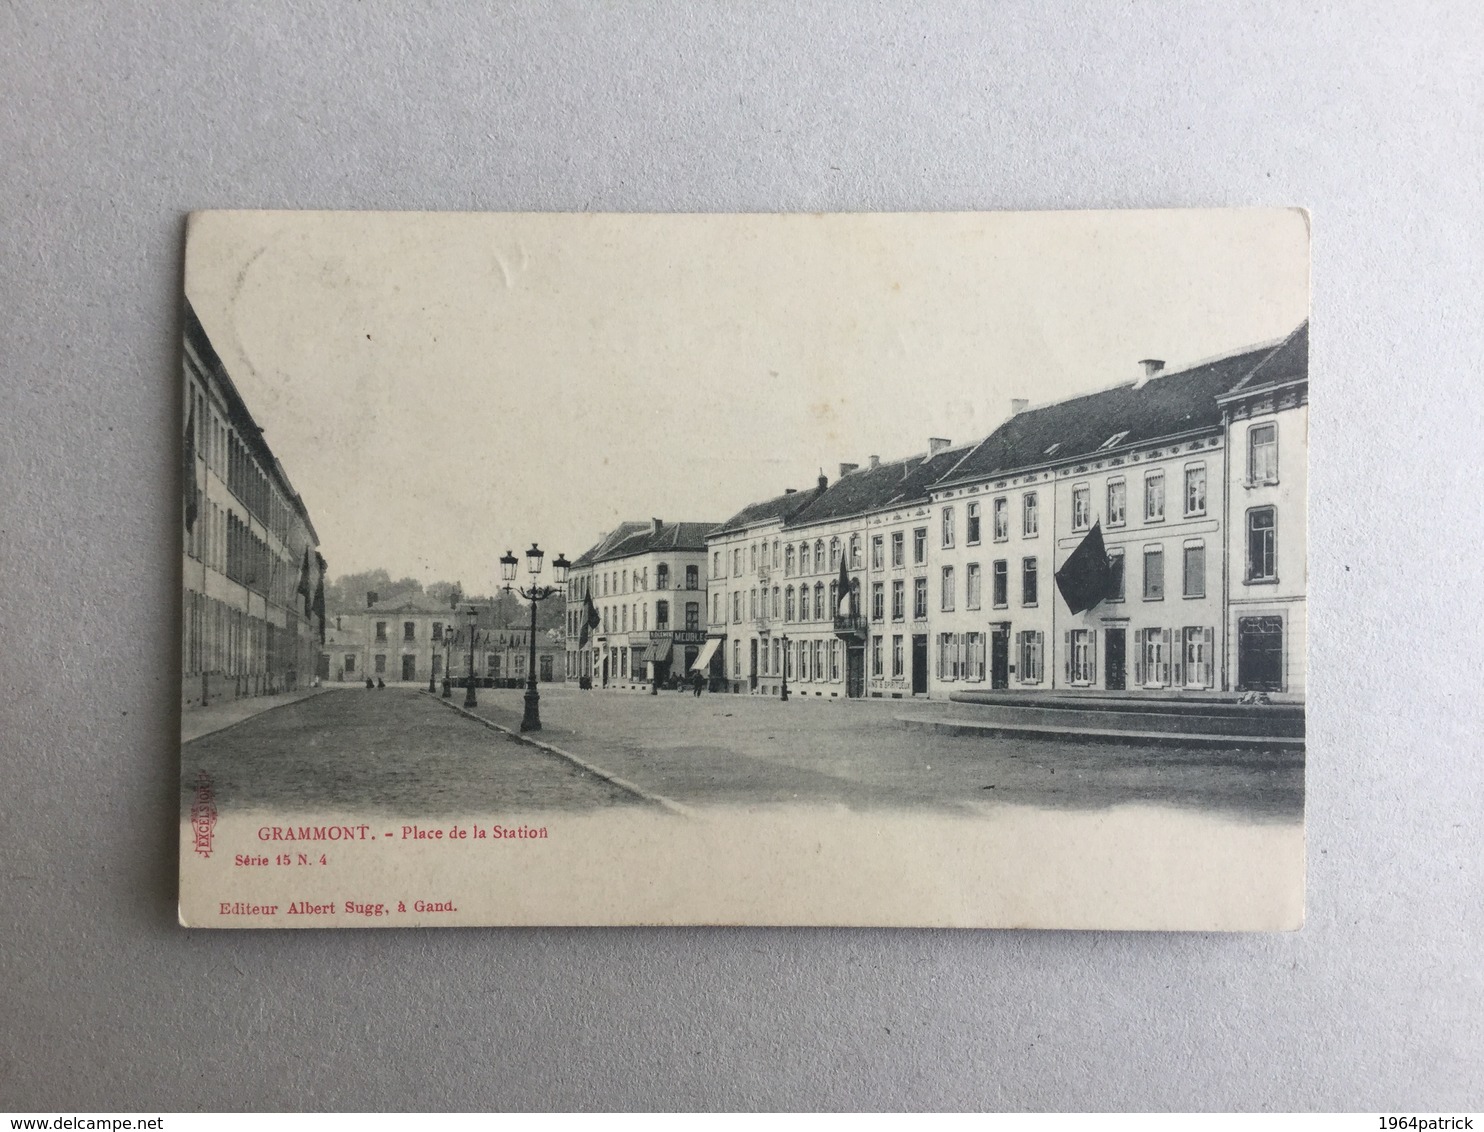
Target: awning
{"x":660,"y":650}
{"x":704,"y":660}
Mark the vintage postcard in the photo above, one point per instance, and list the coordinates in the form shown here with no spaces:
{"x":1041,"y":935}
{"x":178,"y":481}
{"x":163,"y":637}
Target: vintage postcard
{"x":941,"y":570}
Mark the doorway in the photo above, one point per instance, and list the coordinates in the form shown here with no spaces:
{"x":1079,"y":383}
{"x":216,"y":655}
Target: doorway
{"x":409,"y":668}
{"x":855,"y":671}
{"x":1115,"y":667}
{"x":752,"y":671}
{"x":1259,"y":654}
{"x":999,"y":658}
{"x":919,"y":664}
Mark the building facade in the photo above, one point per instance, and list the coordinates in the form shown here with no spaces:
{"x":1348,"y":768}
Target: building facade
{"x":647,"y":584}
{"x":252,"y":613}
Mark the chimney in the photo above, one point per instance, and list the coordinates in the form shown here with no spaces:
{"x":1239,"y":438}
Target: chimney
{"x":655,"y":525}
{"x":875,"y":461}
{"x":1152,"y":366}
{"x":938,"y":444}
{"x":1018,"y":405}
{"x":372,"y":597}
{"x":824,"y":481}
{"x":790,"y":491}
{"x":846,"y":469}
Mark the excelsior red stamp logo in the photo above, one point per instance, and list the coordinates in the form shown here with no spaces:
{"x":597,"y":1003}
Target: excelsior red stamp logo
{"x":203,"y":814}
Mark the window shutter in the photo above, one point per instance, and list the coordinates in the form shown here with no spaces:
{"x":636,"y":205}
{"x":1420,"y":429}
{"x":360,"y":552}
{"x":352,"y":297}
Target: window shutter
{"x":1164,"y":674}
{"x":1179,"y":657}
{"x":1066,"y":656}
{"x":1020,"y":655}
{"x":1092,"y":656}
{"x":1139,"y":657}
{"x":1208,"y":640}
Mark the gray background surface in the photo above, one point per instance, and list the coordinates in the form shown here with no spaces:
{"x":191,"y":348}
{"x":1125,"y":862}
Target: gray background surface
{"x":115,"y":121}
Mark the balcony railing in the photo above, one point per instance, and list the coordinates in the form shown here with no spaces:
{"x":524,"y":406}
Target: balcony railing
{"x":850,"y":625}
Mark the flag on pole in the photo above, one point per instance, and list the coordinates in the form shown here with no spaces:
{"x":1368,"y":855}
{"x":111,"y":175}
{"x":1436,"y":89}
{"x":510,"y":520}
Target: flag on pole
{"x":843,"y":606}
{"x":303,"y":589}
{"x":1085,"y":576}
{"x":590,"y":621}
{"x":188,"y":472}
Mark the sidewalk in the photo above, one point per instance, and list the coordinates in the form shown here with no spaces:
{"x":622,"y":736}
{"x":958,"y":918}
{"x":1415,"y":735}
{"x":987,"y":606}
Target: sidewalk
{"x":197,"y":722}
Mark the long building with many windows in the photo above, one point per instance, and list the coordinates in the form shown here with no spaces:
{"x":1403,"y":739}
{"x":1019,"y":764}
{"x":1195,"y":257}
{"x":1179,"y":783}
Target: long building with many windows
{"x":253,"y":578}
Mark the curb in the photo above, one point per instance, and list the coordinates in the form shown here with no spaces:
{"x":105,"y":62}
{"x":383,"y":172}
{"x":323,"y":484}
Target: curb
{"x":309,"y":695}
{"x":597,"y":771}
{"x":1278,"y":743}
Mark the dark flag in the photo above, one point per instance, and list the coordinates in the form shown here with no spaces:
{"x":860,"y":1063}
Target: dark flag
{"x":842,"y":604}
{"x":590,"y":621}
{"x":1085,"y":576}
{"x":188,"y":471}
{"x":303,"y":588}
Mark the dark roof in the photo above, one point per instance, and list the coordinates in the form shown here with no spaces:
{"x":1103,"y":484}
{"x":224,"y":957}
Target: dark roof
{"x":1168,"y":405}
{"x":647,"y":540}
{"x":779,"y":508}
{"x":1288,"y":363}
{"x":620,"y":532}
{"x":408,"y":603}
{"x":874,"y":489}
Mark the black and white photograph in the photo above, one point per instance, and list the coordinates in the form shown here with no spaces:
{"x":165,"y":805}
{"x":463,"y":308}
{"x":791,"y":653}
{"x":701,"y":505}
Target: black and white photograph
{"x":834,"y":569}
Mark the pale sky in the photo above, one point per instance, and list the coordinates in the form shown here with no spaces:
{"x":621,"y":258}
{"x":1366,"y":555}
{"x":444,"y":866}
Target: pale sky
{"x":442,"y":387}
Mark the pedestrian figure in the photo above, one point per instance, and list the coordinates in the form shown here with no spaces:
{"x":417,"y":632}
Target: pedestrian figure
{"x":379,"y":683}
{"x":697,"y":679}
{"x":368,"y":683}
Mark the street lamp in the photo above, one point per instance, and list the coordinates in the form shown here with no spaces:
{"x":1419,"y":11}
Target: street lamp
{"x":783,"y":693}
{"x":531,"y":719}
{"x":432,"y":652}
{"x":469,"y":698}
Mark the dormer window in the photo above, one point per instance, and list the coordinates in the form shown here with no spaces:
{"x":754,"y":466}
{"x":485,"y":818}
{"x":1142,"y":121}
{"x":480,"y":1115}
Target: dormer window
{"x":1052,"y":450}
{"x":1113,"y":441}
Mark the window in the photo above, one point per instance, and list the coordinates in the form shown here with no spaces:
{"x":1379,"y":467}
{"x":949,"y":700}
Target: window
{"x":754,"y":558}
{"x":1115,"y":575}
{"x":1001,"y":519}
{"x":1195,"y":570}
{"x":736,"y":560}
{"x":972,"y":586}
{"x":1081,"y":508}
{"x":409,"y":630}
{"x":693,"y":615}
{"x":896,"y":655}
{"x":662,"y":615}
{"x":716,"y":563}
{"x":1030,"y":515}
{"x":878,"y":557}
{"x":775,"y":553}
{"x":1029,"y":589}
{"x":752,"y":604}
{"x":1082,"y":657}
{"x":380,"y":663}
{"x":350,"y":663}
{"x":898,"y":550}
{"x":381,"y":630}
{"x":1032,"y":660}
{"x":836,"y":648}
{"x":737,"y":607}
{"x":1262,"y":454}
{"x":788,"y":561}
{"x":878,"y":605}
{"x":623,"y":611}
{"x":919,"y":546}
{"x":947,"y":527}
{"x":919,"y":599}
{"x":716,"y":609}
{"x":1112,"y":441}
{"x":876,"y":656}
{"x":1262,"y":549}
{"x":777,"y":603}
{"x":948,"y":653}
{"x":1154,"y":573}
{"x":819,"y":557}
{"x":898,"y":600}
{"x":1154,"y":497}
{"x":1117,"y":503}
{"x":1153,"y":658}
{"x":692,"y":577}
{"x":437,"y":630}
{"x":788,"y":604}
{"x":1195,"y":489}
{"x":947,"y":590}
{"x":1196,"y":648}
{"x":855,"y":552}
{"x":834,"y":555}
{"x":819,"y":614}
{"x":662,"y":576}
{"x":971,"y":536}
{"x":973,"y":661}
{"x":736,"y":658}
{"x":1001,"y":583}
